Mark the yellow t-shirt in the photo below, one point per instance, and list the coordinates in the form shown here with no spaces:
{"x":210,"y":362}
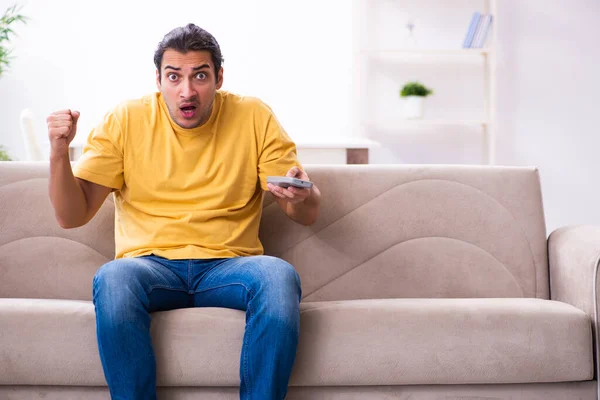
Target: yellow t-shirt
{"x":187,"y":193}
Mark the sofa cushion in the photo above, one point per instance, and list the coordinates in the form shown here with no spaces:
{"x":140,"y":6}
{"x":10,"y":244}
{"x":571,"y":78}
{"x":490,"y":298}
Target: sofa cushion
{"x":358,"y":342}
{"x":443,"y":341}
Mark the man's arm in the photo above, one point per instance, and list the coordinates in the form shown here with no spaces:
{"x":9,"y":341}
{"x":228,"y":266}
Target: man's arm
{"x":300,"y":205}
{"x":75,"y":200}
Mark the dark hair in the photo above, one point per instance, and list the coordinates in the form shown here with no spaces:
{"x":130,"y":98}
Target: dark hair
{"x":189,"y":38}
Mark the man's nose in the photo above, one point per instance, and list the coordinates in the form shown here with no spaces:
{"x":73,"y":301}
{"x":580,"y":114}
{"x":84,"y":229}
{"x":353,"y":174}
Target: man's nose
{"x":187,"y":89}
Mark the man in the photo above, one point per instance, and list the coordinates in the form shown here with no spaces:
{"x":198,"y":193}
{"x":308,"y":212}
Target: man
{"x":188,"y":166}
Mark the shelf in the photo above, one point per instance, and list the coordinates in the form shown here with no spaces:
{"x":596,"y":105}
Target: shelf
{"x":340,"y":150}
{"x":382,"y":61}
{"x":336,"y":143}
{"x":427,"y":52}
{"x":417,"y":123}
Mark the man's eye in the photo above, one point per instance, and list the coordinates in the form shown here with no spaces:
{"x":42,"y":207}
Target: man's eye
{"x":201,"y":75}
{"x":172,"y":77}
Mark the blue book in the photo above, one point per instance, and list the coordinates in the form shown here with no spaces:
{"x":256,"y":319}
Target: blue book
{"x":478,"y":31}
{"x":479,"y":40}
{"x":471,"y":31}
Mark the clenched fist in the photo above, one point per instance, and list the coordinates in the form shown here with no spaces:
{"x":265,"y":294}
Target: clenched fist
{"x":62,"y":126}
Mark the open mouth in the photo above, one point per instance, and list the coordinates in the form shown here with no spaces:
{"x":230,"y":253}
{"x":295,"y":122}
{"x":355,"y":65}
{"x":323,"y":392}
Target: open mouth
{"x":188,"y":111}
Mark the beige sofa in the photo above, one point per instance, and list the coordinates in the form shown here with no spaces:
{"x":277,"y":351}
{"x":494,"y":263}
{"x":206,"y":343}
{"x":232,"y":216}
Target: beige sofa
{"x":420,"y":282}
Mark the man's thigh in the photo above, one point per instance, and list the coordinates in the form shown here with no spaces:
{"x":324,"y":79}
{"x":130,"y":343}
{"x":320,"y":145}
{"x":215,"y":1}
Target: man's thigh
{"x":153,"y":281}
{"x":234,"y":282}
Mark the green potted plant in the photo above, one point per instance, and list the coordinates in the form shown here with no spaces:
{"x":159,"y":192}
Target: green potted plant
{"x":7,"y":21}
{"x":414,"y":94}
{"x":4,"y":156}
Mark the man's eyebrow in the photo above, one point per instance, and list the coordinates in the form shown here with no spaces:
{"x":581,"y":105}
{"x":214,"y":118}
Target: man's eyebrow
{"x":197,"y":68}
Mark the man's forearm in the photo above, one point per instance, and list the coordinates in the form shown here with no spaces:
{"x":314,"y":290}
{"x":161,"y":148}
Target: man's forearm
{"x":67,"y":197}
{"x":305,"y":213}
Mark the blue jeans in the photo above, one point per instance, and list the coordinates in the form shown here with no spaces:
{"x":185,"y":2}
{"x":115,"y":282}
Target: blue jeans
{"x":126,"y":291}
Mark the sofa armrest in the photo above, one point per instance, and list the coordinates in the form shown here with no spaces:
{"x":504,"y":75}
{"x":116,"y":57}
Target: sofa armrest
{"x":574,"y":257}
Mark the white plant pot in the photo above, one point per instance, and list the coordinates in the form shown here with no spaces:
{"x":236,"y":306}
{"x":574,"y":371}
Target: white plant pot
{"x":413,"y":107}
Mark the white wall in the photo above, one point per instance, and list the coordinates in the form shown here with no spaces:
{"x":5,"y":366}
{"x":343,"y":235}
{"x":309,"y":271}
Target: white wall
{"x":548,"y":107}
{"x":298,"y":57}
{"x":90,"y":55}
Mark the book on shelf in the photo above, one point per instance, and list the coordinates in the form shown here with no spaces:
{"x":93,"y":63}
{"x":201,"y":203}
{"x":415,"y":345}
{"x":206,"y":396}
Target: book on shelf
{"x":478,"y":30}
{"x":471,"y":30}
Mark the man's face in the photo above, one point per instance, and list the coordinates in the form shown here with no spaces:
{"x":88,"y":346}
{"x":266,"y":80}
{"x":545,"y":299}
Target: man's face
{"x":188,"y":85}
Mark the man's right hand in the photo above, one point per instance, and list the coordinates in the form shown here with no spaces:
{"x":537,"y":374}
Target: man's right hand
{"x":62,"y":126}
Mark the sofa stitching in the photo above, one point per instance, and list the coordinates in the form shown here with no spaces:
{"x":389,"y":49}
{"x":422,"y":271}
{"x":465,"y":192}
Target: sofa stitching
{"x":410,"y":240}
{"x":54,"y":237}
{"x":23,"y":180}
{"x":44,"y":178}
{"x":535,"y":268}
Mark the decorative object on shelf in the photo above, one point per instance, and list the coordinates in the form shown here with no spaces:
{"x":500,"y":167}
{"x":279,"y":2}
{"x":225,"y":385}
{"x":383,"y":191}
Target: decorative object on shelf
{"x":411,"y":40}
{"x":477,"y":31}
{"x":4,"y":156}
{"x":11,"y":15}
{"x":414,"y":94}
{"x":32,"y":145}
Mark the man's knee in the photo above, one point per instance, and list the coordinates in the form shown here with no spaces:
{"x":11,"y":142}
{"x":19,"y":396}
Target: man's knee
{"x":116,"y":276}
{"x":278,"y":271}
{"x":278,"y":277}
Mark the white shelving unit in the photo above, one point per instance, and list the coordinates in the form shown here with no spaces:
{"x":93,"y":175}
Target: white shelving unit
{"x":427,"y":52}
{"x":367,"y":51}
{"x":424,"y":122}
{"x":335,"y":150}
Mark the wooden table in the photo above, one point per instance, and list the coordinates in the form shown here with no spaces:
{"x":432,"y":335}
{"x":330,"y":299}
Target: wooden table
{"x":312,"y":151}
{"x":335,"y":150}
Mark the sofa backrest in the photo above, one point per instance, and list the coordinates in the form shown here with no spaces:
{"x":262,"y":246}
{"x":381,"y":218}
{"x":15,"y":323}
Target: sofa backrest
{"x":384,"y":231}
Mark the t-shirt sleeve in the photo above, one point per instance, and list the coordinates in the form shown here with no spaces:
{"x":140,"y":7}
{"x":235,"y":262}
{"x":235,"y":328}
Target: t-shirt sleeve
{"x":102,"y":158}
{"x":278,"y":153}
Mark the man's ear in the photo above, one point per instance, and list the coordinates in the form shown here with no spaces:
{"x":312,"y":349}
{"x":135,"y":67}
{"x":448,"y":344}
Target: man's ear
{"x":220,"y":79}
{"x":158,"y":80}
